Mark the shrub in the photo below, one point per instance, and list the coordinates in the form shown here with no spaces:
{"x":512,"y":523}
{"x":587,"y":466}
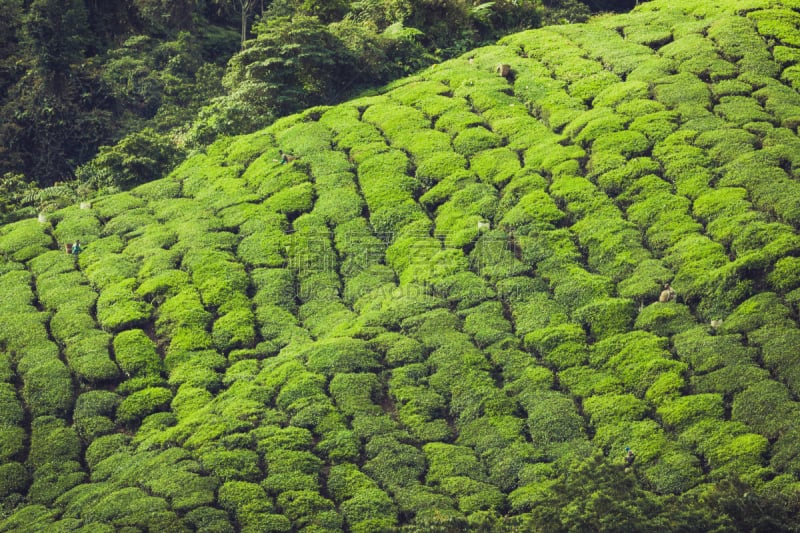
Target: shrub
{"x":674,"y":473}
{"x":742,"y":109}
{"x":136,"y":354}
{"x":441,"y":192}
{"x":576,"y":287}
{"x":397,"y":349}
{"x":52,"y":442}
{"x":682,"y":412}
{"x":89,"y":357}
{"x":274,"y":286}
{"x":19,"y":235}
{"x":108,"y":269}
{"x":607,"y":317}
{"x":129,"y":222}
{"x":334,"y":356}
{"x":180,"y":311}
{"x":682,"y":89}
{"x":563,"y":345}
{"x":765,"y":406}
{"x":12,"y":442}
{"x":195,"y":373}
{"x":592,"y":124}
{"x":473,"y":140}
{"x":217,"y":276}
{"x":292,"y":201}
{"x":353,"y":393}
{"x":552,"y":418}
{"x":729,"y":379}
{"x":706,"y":352}
{"x":14,"y":478}
{"x":665,"y":319}
{"x":235,"y":329}
{"x":47,"y":389}
{"x":307,"y":508}
{"x":628,"y":143}
{"x":369,"y":504}
{"x":762,"y":309}
{"x":235,"y":495}
{"x":142,"y":403}
{"x":79,"y":224}
{"x":492,"y":436}
{"x":535,"y":208}
{"x":53,"y":479}
{"x":232,"y":465}
{"x":68,"y":324}
{"x":210,"y":519}
{"x":614,"y":408}
{"x":393,"y":464}
{"x":447,"y":460}
{"x":777,"y":352}
{"x":90,"y":407}
{"x":104,"y":447}
{"x":785,"y":275}
{"x":486,"y":323}
{"x":655,"y":126}
{"x":118,"y":307}
{"x":582,"y":381}
{"x":645,"y":282}
{"x":587,"y":88}
{"x":11,"y":413}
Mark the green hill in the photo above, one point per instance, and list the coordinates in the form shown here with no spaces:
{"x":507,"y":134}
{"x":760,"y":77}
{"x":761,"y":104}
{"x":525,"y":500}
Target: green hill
{"x":444,"y":314}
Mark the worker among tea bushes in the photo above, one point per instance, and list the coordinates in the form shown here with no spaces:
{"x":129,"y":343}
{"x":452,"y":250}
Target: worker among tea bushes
{"x":630,"y":457}
{"x":667,"y":295}
{"x":285,"y":158}
{"x":76,"y":248}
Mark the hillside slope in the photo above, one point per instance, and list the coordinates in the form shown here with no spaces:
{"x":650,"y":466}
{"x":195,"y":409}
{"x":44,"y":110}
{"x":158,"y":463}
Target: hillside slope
{"x":444,"y":313}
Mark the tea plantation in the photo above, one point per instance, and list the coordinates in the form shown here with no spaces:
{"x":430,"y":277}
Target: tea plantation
{"x":444,"y":314}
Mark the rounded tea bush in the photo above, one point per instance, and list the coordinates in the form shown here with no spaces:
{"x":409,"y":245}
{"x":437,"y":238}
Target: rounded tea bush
{"x":142,"y":403}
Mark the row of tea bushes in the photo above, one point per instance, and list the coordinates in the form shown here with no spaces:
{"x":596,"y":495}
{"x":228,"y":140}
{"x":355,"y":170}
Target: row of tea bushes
{"x":46,"y":462}
{"x":13,"y":426}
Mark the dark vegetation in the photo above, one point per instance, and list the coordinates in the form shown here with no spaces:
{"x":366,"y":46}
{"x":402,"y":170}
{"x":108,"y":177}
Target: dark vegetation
{"x":443,"y":314}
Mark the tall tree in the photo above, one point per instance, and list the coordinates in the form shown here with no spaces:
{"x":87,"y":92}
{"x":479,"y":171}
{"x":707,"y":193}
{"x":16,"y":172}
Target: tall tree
{"x":245,"y":10}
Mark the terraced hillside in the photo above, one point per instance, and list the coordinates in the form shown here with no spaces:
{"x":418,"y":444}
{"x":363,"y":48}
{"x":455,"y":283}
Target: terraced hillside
{"x":444,"y":313}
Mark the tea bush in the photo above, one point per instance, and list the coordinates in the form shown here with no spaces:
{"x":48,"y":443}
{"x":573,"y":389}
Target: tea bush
{"x":142,"y":403}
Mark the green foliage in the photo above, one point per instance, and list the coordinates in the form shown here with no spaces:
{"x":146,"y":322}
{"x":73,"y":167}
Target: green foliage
{"x":13,"y":478}
{"x":706,"y":352}
{"x":142,"y":403}
{"x":52,"y":442}
{"x":765,"y":406}
{"x":334,"y":356}
{"x":47,"y":389}
{"x":665,"y":319}
{"x":235,"y":329}
{"x":443,"y":315}
{"x":136,"y":354}
{"x":94,"y":413}
{"x":686,"y":410}
{"x":552,"y":419}
{"x":118,"y":307}
{"x":614,"y":408}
